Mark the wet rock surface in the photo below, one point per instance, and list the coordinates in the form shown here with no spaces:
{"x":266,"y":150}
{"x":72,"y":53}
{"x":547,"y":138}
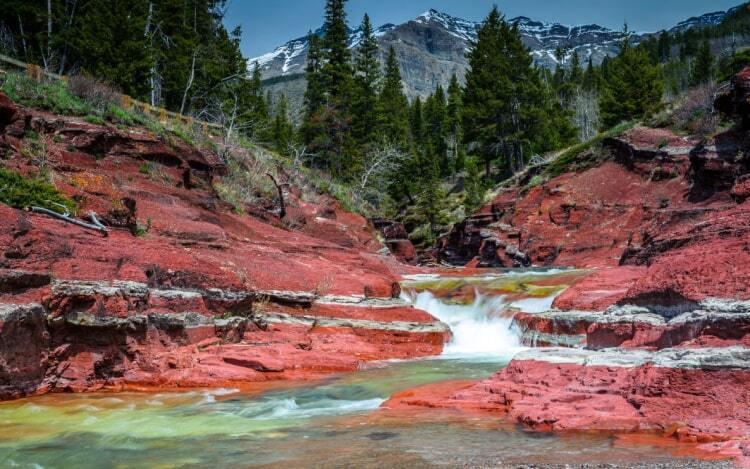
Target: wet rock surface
{"x":655,"y":339}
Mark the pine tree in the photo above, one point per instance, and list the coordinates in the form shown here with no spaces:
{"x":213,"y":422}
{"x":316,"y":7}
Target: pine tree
{"x":335,"y":145}
{"x":473,"y":187}
{"x":337,"y":71}
{"x":392,"y":105}
{"x":435,"y":120}
{"x":367,"y":78}
{"x":314,"y":94}
{"x":575,"y":76}
{"x":703,"y":65}
{"x":312,"y":131}
{"x":417,"y":129}
{"x":430,"y":200}
{"x":282,"y":132}
{"x":664,"y":46}
{"x":506,"y":106}
{"x":453,"y":123}
{"x":633,"y":86}
{"x":590,"y":77}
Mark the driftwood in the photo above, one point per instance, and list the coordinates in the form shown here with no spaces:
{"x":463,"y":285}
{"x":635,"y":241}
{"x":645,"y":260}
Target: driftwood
{"x":94,"y":226}
{"x":282,"y":205}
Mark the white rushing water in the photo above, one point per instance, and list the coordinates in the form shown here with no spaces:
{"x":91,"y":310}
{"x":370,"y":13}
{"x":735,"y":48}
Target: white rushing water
{"x":479,"y":332}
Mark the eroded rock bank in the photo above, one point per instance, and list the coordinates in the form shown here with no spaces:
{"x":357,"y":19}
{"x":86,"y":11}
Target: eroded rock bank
{"x":186,"y":290}
{"x":656,"y":339}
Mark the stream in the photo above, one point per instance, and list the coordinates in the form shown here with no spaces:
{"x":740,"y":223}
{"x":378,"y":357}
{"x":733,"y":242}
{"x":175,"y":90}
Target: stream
{"x":330,"y":423}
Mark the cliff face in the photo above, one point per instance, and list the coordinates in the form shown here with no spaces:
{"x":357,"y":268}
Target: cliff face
{"x":183,"y":291}
{"x":656,"y":338}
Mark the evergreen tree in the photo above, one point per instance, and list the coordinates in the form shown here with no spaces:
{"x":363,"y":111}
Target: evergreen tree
{"x":314,"y":94}
{"x":575,"y":76}
{"x":367,"y":78}
{"x":430,"y":200}
{"x":392,"y":105}
{"x":633,"y":86}
{"x":282,"y":132}
{"x":453,"y":123}
{"x":664,"y":46}
{"x":703,"y":65}
{"x":435,"y":120}
{"x":506,"y":108}
{"x":337,"y":70}
{"x":590,"y":77}
{"x":473,"y":188}
{"x":334,"y":146}
{"x":312,"y":131}
{"x":417,"y":129}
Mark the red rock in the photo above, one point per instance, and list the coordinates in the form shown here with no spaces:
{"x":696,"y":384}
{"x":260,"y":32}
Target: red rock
{"x":600,"y":289}
{"x":195,"y":242}
{"x":691,"y":404}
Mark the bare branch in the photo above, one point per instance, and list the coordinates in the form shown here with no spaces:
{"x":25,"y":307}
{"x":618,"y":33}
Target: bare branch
{"x":98,"y":227}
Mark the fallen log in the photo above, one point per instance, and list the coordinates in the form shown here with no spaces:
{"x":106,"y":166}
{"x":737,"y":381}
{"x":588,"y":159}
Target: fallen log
{"x":67,"y":218}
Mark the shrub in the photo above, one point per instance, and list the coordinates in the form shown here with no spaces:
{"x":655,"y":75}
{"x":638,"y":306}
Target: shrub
{"x":53,"y":95}
{"x":567,"y":158}
{"x":20,"y":192}
{"x":695,"y":111}
{"x":93,"y":119}
{"x":96,"y":93}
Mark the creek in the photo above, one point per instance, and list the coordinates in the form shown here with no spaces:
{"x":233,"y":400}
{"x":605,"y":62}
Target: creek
{"x":335,"y":422}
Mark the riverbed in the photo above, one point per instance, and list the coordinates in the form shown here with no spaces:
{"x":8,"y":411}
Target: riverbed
{"x":335,"y":422}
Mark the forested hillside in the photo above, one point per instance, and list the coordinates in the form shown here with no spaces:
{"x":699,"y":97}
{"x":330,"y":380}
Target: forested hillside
{"x":426,"y":163}
{"x":169,"y":53}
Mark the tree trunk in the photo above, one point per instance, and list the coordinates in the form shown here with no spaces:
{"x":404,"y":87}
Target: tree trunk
{"x":23,"y":38}
{"x":48,"y":59}
{"x":282,"y":205}
{"x":189,"y":84}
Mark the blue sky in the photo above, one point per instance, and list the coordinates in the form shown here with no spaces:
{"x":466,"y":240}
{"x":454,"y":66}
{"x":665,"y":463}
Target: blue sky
{"x":270,"y":23}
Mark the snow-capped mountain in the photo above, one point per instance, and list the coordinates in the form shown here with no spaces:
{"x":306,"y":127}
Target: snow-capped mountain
{"x":432,"y":47}
{"x":289,"y":59}
{"x":708,"y":19}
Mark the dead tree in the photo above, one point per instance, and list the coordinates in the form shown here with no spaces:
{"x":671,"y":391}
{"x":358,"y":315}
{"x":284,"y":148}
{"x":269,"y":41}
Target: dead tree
{"x":95,"y":225}
{"x":280,"y":189}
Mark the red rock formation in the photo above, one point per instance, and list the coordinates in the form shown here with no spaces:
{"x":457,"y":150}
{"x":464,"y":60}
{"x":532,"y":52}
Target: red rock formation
{"x":665,"y":222}
{"x":206,"y":297}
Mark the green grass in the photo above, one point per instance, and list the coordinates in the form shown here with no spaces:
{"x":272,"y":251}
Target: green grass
{"x":52,"y":96}
{"x":21,"y":192}
{"x":55,"y":97}
{"x":94,"y":119}
{"x":561,"y":164}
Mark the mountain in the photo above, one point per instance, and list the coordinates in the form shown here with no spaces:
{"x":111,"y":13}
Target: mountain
{"x":433,"y":46}
{"x":705,"y":20}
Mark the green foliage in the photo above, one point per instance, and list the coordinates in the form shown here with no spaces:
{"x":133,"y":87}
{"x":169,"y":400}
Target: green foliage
{"x":633,"y":87}
{"x":566,"y":159}
{"x":92,"y":119}
{"x":52,"y":96}
{"x":282,"y":132}
{"x":141,"y":230}
{"x":173,"y":53}
{"x":703,"y":68}
{"x":21,"y":192}
{"x":367,"y":81}
{"x":392,"y":104}
{"x":734,"y":64}
{"x":473,"y":186}
{"x":508,"y":113}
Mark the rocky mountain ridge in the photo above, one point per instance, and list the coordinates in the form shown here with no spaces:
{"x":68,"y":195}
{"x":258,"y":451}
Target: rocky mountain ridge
{"x":432,"y":47}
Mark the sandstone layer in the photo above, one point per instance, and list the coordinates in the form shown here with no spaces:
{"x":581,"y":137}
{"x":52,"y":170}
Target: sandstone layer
{"x":184,"y":290}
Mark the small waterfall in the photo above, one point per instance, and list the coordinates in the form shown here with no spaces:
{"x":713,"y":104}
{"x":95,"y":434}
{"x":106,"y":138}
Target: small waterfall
{"x":479,"y":332}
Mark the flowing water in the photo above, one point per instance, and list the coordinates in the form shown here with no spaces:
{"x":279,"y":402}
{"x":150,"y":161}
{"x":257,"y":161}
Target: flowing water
{"x":330,"y":423}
